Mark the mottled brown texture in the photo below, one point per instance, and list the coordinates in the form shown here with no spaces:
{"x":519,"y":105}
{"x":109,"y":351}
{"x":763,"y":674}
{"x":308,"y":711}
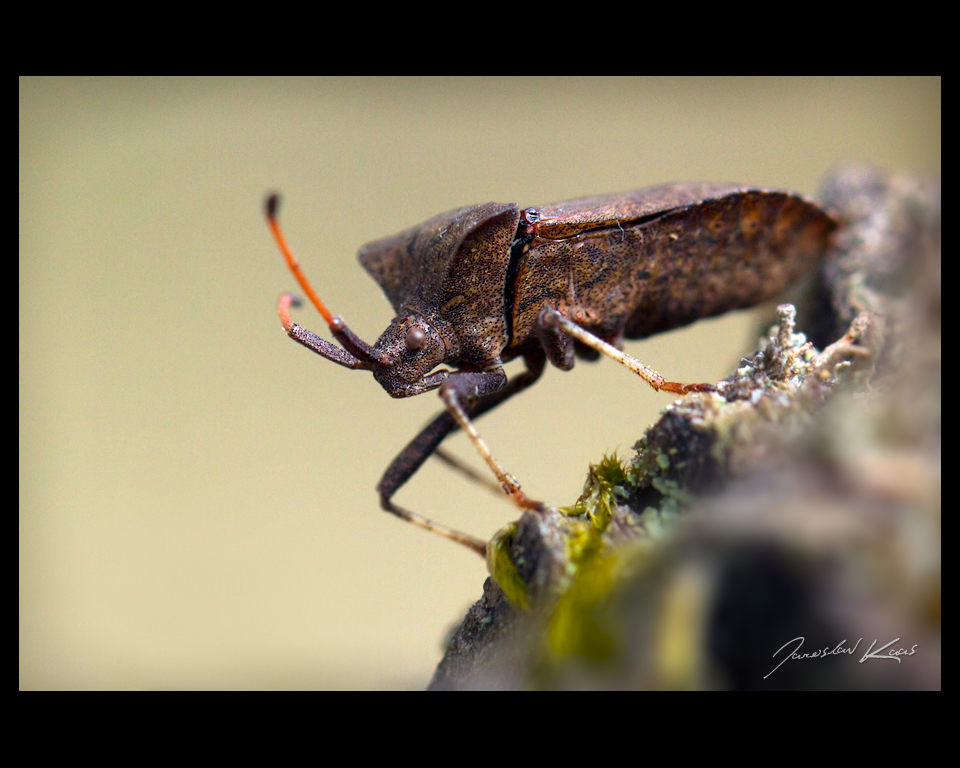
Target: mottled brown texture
{"x":451,"y":271}
{"x":631,"y":264}
{"x":609,"y":267}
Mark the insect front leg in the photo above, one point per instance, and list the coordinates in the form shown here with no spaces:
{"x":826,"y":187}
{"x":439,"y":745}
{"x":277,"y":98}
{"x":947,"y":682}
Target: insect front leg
{"x":424,"y":444}
{"x":557,"y":346}
{"x":551,"y":318}
{"x":535,"y":363}
{"x":459,"y":389}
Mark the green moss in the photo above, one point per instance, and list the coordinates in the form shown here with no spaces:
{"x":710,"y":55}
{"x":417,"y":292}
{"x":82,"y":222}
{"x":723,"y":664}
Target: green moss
{"x":577,"y":626}
{"x":600,"y":491}
{"x":585,"y":621}
{"x":584,"y":542}
{"x":502,"y":568}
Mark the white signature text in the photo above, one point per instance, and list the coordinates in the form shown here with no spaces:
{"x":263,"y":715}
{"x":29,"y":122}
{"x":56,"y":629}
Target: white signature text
{"x":839,"y":650}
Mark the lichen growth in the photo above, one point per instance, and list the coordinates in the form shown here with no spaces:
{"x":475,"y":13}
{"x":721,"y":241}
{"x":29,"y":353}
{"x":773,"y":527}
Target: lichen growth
{"x":655,"y":522}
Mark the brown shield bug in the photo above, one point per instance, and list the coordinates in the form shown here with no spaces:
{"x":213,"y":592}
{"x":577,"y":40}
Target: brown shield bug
{"x":479,"y":286}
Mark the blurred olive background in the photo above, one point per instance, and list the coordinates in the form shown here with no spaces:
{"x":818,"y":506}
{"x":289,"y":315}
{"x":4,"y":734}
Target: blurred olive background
{"x":197,"y":504}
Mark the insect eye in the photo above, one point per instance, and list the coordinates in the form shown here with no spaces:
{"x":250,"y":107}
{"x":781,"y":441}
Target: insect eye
{"x":415,"y":339}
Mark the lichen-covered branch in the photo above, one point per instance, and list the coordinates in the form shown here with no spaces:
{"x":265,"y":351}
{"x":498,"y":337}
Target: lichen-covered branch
{"x":799,"y":505}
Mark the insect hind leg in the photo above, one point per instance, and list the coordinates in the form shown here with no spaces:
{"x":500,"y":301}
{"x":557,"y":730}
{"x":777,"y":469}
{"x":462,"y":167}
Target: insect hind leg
{"x":551,"y":318}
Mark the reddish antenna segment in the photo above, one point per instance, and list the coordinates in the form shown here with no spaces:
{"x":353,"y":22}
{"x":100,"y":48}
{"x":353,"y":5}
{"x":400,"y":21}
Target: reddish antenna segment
{"x":286,"y":301}
{"x":335,"y":323}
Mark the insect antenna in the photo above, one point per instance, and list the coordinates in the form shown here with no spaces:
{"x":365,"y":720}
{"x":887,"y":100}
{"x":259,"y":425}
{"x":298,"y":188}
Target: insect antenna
{"x":347,"y":338}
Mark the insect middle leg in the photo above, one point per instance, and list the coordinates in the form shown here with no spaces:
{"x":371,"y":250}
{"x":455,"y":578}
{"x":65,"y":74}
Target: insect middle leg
{"x":550,"y":318}
{"x":460,"y":413}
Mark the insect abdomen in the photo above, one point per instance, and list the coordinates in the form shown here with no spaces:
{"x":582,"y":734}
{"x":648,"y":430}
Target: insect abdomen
{"x":669,"y":268}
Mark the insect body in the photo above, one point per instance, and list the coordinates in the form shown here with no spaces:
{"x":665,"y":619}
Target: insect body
{"x":476,"y":287}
